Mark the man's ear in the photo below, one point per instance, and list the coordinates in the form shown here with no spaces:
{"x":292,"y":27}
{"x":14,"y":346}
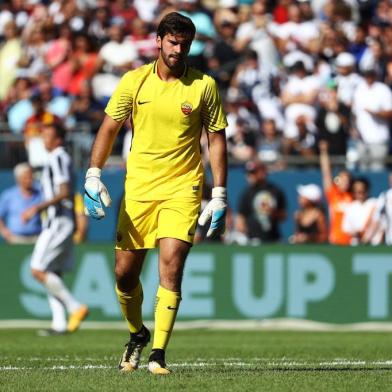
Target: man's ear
{"x":159,"y":42}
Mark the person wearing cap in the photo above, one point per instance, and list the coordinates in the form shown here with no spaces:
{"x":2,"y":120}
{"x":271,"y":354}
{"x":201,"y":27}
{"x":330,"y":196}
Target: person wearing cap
{"x":347,"y":80}
{"x":372,"y":110}
{"x":310,"y":219}
{"x":262,"y":206}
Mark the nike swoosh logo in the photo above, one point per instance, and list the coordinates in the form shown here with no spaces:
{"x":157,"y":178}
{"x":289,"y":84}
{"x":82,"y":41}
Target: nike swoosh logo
{"x":142,"y":102}
{"x":171,"y":308}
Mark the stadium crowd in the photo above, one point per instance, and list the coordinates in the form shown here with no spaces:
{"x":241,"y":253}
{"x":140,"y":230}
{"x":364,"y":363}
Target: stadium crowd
{"x":297,"y":77}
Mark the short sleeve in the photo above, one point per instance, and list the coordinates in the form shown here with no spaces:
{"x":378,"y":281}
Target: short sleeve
{"x":120,"y":104}
{"x":60,"y":166}
{"x":212,"y":114}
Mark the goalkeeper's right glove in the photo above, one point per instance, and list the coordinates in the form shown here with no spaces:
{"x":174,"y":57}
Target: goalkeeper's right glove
{"x":95,"y":193}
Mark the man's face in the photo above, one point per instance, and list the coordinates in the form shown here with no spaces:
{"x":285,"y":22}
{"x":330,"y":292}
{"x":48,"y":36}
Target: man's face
{"x":174,"y":50}
{"x":25,"y":179}
{"x":49,"y":137}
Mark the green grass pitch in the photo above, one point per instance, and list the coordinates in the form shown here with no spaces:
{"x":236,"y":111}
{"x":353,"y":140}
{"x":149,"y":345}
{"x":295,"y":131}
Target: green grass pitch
{"x":201,"y":360}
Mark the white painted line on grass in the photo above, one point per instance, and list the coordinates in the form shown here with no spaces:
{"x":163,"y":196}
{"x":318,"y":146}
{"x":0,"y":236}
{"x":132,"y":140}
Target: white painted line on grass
{"x":265,"y":364}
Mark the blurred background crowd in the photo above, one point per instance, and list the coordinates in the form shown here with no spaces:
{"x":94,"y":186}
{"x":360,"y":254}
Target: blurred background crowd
{"x":301,"y":80}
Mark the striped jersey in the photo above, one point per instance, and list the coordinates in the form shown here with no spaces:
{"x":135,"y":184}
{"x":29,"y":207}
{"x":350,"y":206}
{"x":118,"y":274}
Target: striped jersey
{"x":167,"y":119}
{"x":58,"y":170}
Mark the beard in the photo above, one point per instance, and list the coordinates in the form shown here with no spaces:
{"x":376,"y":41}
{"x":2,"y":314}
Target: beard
{"x":174,"y":63}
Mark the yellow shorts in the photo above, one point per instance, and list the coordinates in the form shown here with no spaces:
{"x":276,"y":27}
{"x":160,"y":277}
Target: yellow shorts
{"x":142,"y":223}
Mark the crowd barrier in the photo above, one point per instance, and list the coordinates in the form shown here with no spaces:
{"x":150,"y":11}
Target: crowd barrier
{"x":287,"y":180}
{"x":321,"y":283}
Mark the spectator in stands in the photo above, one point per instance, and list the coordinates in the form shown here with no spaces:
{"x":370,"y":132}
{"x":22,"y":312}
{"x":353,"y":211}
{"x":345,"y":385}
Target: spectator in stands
{"x":333,"y":121}
{"x":57,"y":57}
{"x":10,"y":54}
{"x":359,"y":213}
{"x":253,"y":34}
{"x":299,"y":97}
{"x":19,"y":105}
{"x":32,"y":61}
{"x":85,"y":110}
{"x":124,"y":10}
{"x":83,"y":62}
{"x":100,"y":25}
{"x":372,"y":107}
{"x":144,"y":40}
{"x":304,"y":144}
{"x":14,"y":201}
{"x":242,"y":145}
{"x":338,"y":195}
{"x":223,"y":58}
{"x":270,"y":146}
{"x":376,"y":58}
{"x":347,"y":79}
{"x":262,"y":206}
{"x":205,"y":31}
{"x":358,"y":44}
{"x":116,"y":57}
{"x":296,"y":33}
{"x":257,"y":83}
{"x":237,"y":107}
{"x":310,"y":219}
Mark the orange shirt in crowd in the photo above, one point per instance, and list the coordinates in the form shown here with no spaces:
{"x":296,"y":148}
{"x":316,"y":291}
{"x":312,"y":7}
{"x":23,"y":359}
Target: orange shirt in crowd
{"x":337,"y":201}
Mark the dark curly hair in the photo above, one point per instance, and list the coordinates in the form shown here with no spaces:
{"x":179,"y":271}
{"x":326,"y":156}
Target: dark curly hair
{"x":175,"y":23}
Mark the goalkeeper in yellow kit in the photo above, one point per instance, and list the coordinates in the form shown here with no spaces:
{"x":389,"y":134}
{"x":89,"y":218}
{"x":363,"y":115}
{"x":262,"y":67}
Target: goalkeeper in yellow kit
{"x":169,"y":104}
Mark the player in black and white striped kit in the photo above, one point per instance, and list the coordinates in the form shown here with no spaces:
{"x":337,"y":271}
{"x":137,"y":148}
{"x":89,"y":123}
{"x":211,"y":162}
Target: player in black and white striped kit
{"x":53,"y":252}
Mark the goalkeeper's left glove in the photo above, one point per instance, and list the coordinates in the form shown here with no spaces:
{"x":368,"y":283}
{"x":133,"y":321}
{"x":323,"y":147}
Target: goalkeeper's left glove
{"x":216,"y":210}
{"x":95,"y":194}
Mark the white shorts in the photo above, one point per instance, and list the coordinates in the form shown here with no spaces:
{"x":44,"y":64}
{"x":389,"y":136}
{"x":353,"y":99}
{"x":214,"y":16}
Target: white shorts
{"x":54,"y":248}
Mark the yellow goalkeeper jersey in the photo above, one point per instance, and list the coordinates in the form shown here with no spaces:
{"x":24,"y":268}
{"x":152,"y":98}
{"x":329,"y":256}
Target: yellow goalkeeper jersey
{"x":167,"y":119}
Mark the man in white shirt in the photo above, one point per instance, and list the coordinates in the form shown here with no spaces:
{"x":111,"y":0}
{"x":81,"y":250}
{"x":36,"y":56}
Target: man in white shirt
{"x":372,"y":107}
{"x":359,"y":213}
{"x":298,"y":97}
{"x":117,"y":56}
{"x":347,"y":80}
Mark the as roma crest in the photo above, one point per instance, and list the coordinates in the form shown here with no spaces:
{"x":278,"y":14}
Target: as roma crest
{"x":186,"y":108}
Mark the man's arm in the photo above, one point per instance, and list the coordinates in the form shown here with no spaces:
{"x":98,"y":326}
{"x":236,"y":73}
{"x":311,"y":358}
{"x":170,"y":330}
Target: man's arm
{"x":64,"y":193}
{"x":325,"y":165}
{"x":104,"y":141}
{"x":218,"y":157}
{"x":5,"y":232}
{"x":216,"y":208}
{"x":96,"y":195}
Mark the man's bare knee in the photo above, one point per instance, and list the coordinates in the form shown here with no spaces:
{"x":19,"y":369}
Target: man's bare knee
{"x":171,"y":263}
{"x":128,"y":268}
{"x":38,"y":275}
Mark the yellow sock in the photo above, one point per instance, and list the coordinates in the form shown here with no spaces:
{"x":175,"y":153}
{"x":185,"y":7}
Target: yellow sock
{"x":131,"y":307}
{"x":166,"y":307}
